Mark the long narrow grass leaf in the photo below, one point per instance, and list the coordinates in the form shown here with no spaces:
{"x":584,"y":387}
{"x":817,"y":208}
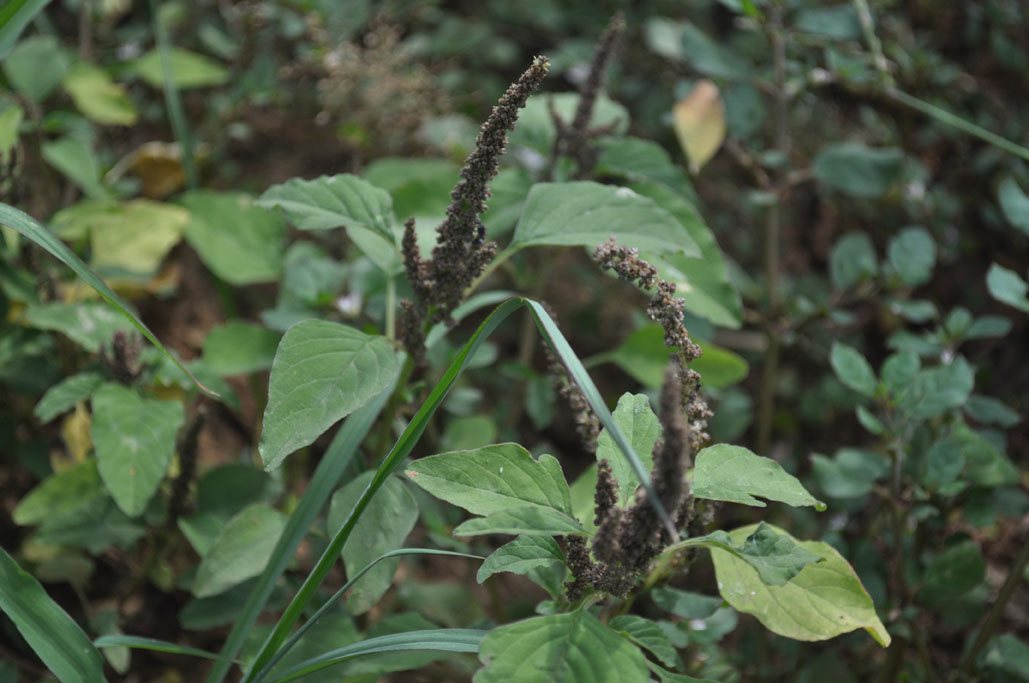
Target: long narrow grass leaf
{"x":176,"y":114}
{"x":341,"y":451}
{"x":140,"y":643}
{"x":22,"y":223}
{"x":15,"y":15}
{"x":443,"y":640}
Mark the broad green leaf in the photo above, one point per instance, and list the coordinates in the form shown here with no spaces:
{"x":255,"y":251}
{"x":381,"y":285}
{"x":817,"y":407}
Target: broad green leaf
{"x":134,"y":439}
{"x":685,"y":604}
{"x":493,"y":479}
{"x":912,"y":254}
{"x":710,"y":57}
{"x":29,"y":227}
{"x":851,"y":473}
{"x":900,"y":370}
{"x":98,"y":97}
{"x":719,"y":368}
{"x":63,"y":396}
{"x":858,"y":170}
{"x":322,"y":372}
{"x":536,"y":129}
{"x":852,"y":369}
{"x":240,"y":551}
{"x":745,"y":111}
{"x":775,"y":556}
{"x":1006,"y":659}
{"x":524,"y":519}
{"x":47,"y":628}
{"x":587,"y":214}
{"x":852,"y":260}
{"x":953,"y":572}
{"x":520,"y":556}
{"x":1007,"y":287}
{"x":73,"y":157}
{"x":127,"y":238}
{"x":643,"y":356}
{"x":985,"y":465}
{"x":387,"y":521}
{"x":699,"y":123}
{"x":734,"y":474}
{"x":507,"y":199}
{"x":938,"y":390}
{"x":561,"y":648}
{"x":332,"y":202}
{"x":671,"y":677}
{"x":647,"y":163}
{"x":15,"y":15}
{"x":635,"y":417}
{"x":237,"y":348}
{"x":189,"y":69}
{"x":988,"y":410}
{"x":36,"y":66}
{"x":64,"y":491}
{"x":419,"y":187}
{"x":1014,"y":204}
{"x":648,"y":635}
{"x":240,"y":242}
{"x":839,"y":21}
{"x":824,"y":600}
{"x":90,"y":325}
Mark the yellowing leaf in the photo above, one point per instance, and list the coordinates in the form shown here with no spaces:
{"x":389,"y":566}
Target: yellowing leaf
{"x":699,"y":120}
{"x":75,"y":432}
{"x":157,"y":164}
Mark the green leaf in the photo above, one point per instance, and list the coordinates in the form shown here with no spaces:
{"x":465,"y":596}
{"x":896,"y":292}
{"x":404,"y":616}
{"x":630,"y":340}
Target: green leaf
{"x":734,"y":474}
{"x":860,"y":171}
{"x":134,"y":439}
{"x":64,"y":491}
{"x":153,"y":644}
{"x":387,"y":521}
{"x":852,"y":369}
{"x":900,"y":370}
{"x":710,"y":57}
{"x":240,"y":242}
{"x":240,"y":551}
{"x":36,"y":66}
{"x":988,"y":410}
{"x":238,"y":348}
{"x":939,"y":390}
{"x":852,"y":260}
{"x":1006,"y":659}
{"x":98,"y":97}
{"x":536,"y":128}
{"x":493,"y":479}
{"x":189,"y":69}
{"x":47,"y":628}
{"x":647,"y":163}
{"x":670,"y":677}
{"x":1014,"y":204}
{"x":562,"y":648}
{"x":322,"y":372}
{"x":1007,"y":287}
{"x":648,"y":635}
{"x":587,"y":214}
{"x":63,"y":396}
{"x":985,"y":465}
{"x":521,"y":556}
{"x":912,"y":254}
{"x":851,"y":473}
{"x":90,"y":325}
{"x":824,"y":600}
{"x":524,"y":519}
{"x":15,"y":15}
{"x":953,"y":572}
{"x":419,"y":187}
{"x":643,"y":356}
{"x":10,"y":124}
{"x":719,"y":368}
{"x":74,"y":158}
{"x":638,"y":422}
{"x":331,"y":202}
{"x":840,"y":21}
{"x":685,"y":604}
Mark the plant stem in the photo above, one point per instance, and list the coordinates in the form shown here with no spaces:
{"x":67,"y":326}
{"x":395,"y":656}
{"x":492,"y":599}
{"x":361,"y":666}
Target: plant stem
{"x":176,"y":115}
{"x":391,"y":305}
{"x":382,"y":441}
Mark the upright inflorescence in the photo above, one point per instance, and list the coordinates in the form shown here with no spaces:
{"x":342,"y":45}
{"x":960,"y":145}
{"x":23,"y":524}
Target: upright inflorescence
{"x":461,"y":252}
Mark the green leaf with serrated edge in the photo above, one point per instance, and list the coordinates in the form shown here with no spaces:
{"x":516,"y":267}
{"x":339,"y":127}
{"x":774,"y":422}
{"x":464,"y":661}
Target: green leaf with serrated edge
{"x":775,"y":557}
{"x":493,"y":479}
{"x":647,"y":635}
{"x":520,"y":556}
{"x":189,"y":69}
{"x":858,"y":170}
{"x":90,"y":325}
{"x":322,"y":372}
{"x":98,"y":97}
{"x":585,"y":213}
{"x":823,"y":601}
{"x":563,"y":648}
{"x":66,"y":490}
{"x":240,"y":551}
{"x":638,"y":422}
{"x":685,"y":604}
{"x":63,"y":396}
{"x":1007,"y":287}
{"x":47,"y":628}
{"x":735,"y":475}
{"x":241,"y":243}
{"x":237,"y":348}
{"x":134,"y":438}
{"x":332,"y":202}
{"x":852,"y":369}
{"x":1014,"y":204}
{"x":386,"y":523}
{"x":525,"y":519}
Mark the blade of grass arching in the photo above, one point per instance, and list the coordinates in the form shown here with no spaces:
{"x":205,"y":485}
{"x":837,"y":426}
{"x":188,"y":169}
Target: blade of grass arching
{"x":400,"y":451}
{"x":589,"y":390}
{"x":341,"y":451}
{"x":15,"y":15}
{"x":152,"y":644}
{"x":26,"y":225}
{"x":176,"y":115}
{"x":299,"y":633}
{"x":441,"y":639}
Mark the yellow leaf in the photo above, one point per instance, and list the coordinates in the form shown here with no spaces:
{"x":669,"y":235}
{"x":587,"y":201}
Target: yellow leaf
{"x":700,"y":124}
{"x":75,"y":432}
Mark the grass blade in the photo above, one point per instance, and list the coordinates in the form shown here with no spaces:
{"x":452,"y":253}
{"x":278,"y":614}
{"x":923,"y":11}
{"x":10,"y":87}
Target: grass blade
{"x":25,"y":224}
{"x":140,"y":643}
{"x":15,"y":15}
{"x":176,"y":115}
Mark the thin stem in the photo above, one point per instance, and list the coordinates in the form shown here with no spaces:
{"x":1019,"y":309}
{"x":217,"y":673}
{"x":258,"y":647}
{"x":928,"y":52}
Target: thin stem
{"x":391,"y":305}
{"x":176,"y":115}
{"x":386,"y":427}
{"x":874,"y":44}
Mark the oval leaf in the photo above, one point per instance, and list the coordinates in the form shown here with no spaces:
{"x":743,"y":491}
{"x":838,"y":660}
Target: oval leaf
{"x":638,"y":422}
{"x":699,"y":122}
{"x":332,"y":202}
{"x":526,"y":519}
{"x":520,"y":556}
{"x":734,"y":474}
{"x":858,"y":170}
{"x":239,"y":551}
{"x":322,"y":372}
{"x":65,"y":394}
{"x":852,"y":369}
